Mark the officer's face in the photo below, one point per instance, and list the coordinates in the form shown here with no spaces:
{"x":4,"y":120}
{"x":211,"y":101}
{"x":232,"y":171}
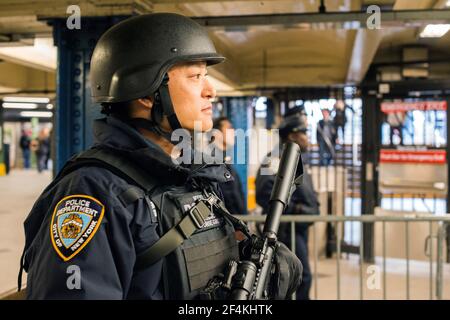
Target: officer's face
{"x":191,"y":94}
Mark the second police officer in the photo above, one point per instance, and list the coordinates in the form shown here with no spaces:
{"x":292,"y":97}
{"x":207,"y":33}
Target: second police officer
{"x":304,"y":199}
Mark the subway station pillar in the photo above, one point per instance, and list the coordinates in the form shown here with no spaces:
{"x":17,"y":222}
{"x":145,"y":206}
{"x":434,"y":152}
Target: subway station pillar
{"x":74,"y":111}
{"x":239,"y":111}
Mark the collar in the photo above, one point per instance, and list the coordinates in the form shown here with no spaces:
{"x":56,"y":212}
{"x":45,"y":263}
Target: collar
{"x":113,"y":133}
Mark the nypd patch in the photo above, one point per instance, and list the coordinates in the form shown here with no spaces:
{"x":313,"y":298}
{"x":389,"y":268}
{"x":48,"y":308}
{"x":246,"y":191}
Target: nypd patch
{"x":74,"y":223}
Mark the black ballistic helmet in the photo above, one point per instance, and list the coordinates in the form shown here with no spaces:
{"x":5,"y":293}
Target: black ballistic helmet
{"x":132,"y":58}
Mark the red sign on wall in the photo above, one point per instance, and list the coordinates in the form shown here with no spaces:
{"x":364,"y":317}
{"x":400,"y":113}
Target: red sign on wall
{"x":401,"y":156}
{"x":388,"y":107}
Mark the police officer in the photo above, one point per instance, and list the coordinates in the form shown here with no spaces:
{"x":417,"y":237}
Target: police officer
{"x":303,"y":201}
{"x":126,"y":219}
{"x":232,"y":191}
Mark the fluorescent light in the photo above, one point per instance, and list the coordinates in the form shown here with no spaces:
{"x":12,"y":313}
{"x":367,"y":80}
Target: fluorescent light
{"x":36,"y":114}
{"x":27,"y":99}
{"x":435,"y":30}
{"x":448,"y":3}
{"x":49,"y":106}
{"x":10,"y":105}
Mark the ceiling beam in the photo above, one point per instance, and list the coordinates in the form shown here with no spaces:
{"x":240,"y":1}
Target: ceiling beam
{"x":22,"y":78}
{"x":367,"y":41}
{"x":329,"y":20}
{"x":47,"y":8}
{"x":342,"y":20}
{"x":413,"y":4}
{"x":201,"y":1}
{"x":228,"y":72}
{"x":364,"y":49}
{"x":28,"y":57}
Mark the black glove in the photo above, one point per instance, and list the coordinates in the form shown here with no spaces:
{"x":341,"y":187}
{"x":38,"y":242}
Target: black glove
{"x":288,"y":273}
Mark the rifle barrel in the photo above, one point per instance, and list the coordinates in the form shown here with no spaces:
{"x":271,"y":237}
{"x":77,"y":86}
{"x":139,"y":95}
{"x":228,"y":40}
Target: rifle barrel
{"x":282,"y":187}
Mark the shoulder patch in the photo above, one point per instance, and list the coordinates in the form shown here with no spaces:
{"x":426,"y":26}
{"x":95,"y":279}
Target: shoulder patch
{"x":75,"y":221}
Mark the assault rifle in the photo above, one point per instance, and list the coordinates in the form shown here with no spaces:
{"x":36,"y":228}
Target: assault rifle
{"x":249,"y":279}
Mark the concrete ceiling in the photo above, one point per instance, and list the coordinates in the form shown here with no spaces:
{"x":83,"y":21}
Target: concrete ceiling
{"x":263,"y":56}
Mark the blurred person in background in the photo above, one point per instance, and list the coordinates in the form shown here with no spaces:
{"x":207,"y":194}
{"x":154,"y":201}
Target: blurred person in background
{"x":396,"y":121}
{"x":43,"y":149}
{"x":49,"y":151}
{"x":326,"y":138}
{"x":232,"y":191}
{"x":24,"y":143}
{"x":340,"y":118}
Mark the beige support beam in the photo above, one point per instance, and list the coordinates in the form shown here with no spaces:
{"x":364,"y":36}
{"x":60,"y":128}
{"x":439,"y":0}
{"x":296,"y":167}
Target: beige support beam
{"x":299,"y":76}
{"x":28,"y":57}
{"x":261,"y":2}
{"x":22,"y":78}
{"x":228,"y":72}
{"x":364,"y":49}
{"x":50,"y":8}
{"x":413,"y":4}
{"x":367,"y":41}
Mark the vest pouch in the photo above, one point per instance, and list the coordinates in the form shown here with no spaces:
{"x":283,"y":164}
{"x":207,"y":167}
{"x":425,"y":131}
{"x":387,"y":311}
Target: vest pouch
{"x":203,"y":255}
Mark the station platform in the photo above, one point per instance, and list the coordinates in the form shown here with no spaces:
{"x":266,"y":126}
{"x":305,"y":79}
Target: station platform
{"x":19,"y":191}
{"x":21,"y":188}
{"x":395,"y":280}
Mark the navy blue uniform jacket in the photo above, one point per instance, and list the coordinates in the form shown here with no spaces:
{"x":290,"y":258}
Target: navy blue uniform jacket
{"x":107,"y":256}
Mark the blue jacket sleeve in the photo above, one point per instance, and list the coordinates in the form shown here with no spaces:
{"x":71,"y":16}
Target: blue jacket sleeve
{"x":102,"y":267}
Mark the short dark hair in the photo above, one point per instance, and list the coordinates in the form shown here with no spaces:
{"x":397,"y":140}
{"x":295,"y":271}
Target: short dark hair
{"x":120,"y":110}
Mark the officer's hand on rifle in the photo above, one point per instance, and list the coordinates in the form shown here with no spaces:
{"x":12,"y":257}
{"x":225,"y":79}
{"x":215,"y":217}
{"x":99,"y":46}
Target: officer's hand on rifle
{"x":288,"y":273}
{"x":288,"y":270}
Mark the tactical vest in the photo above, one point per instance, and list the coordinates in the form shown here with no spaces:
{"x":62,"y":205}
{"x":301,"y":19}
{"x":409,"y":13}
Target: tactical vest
{"x":196,"y":242}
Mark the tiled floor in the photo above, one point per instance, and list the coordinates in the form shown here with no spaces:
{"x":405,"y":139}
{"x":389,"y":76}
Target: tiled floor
{"x":19,"y":190}
{"x":373,"y":284}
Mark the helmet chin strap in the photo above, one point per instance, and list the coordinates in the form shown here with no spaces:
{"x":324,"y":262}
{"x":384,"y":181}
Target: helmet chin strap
{"x":162,"y":107}
{"x":162,"y":98}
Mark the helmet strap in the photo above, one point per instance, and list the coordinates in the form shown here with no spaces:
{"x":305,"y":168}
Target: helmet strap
{"x":165,"y":102}
{"x":151,"y":126}
{"x":162,"y":106}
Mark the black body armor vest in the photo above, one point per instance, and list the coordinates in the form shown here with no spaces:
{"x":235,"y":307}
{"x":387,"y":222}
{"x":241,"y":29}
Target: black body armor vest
{"x":196,"y":241}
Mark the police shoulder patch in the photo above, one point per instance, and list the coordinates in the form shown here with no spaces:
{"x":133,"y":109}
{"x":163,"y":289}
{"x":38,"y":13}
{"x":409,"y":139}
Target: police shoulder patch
{"x":75,"y":221}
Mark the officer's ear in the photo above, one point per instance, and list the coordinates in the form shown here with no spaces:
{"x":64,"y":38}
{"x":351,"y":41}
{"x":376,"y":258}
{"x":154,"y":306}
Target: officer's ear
{"x":141,"y":108}
{"x":146,"y":102}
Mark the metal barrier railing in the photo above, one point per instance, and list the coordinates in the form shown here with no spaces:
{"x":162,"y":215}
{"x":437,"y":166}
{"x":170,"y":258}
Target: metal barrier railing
{"x":441,"y":220}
